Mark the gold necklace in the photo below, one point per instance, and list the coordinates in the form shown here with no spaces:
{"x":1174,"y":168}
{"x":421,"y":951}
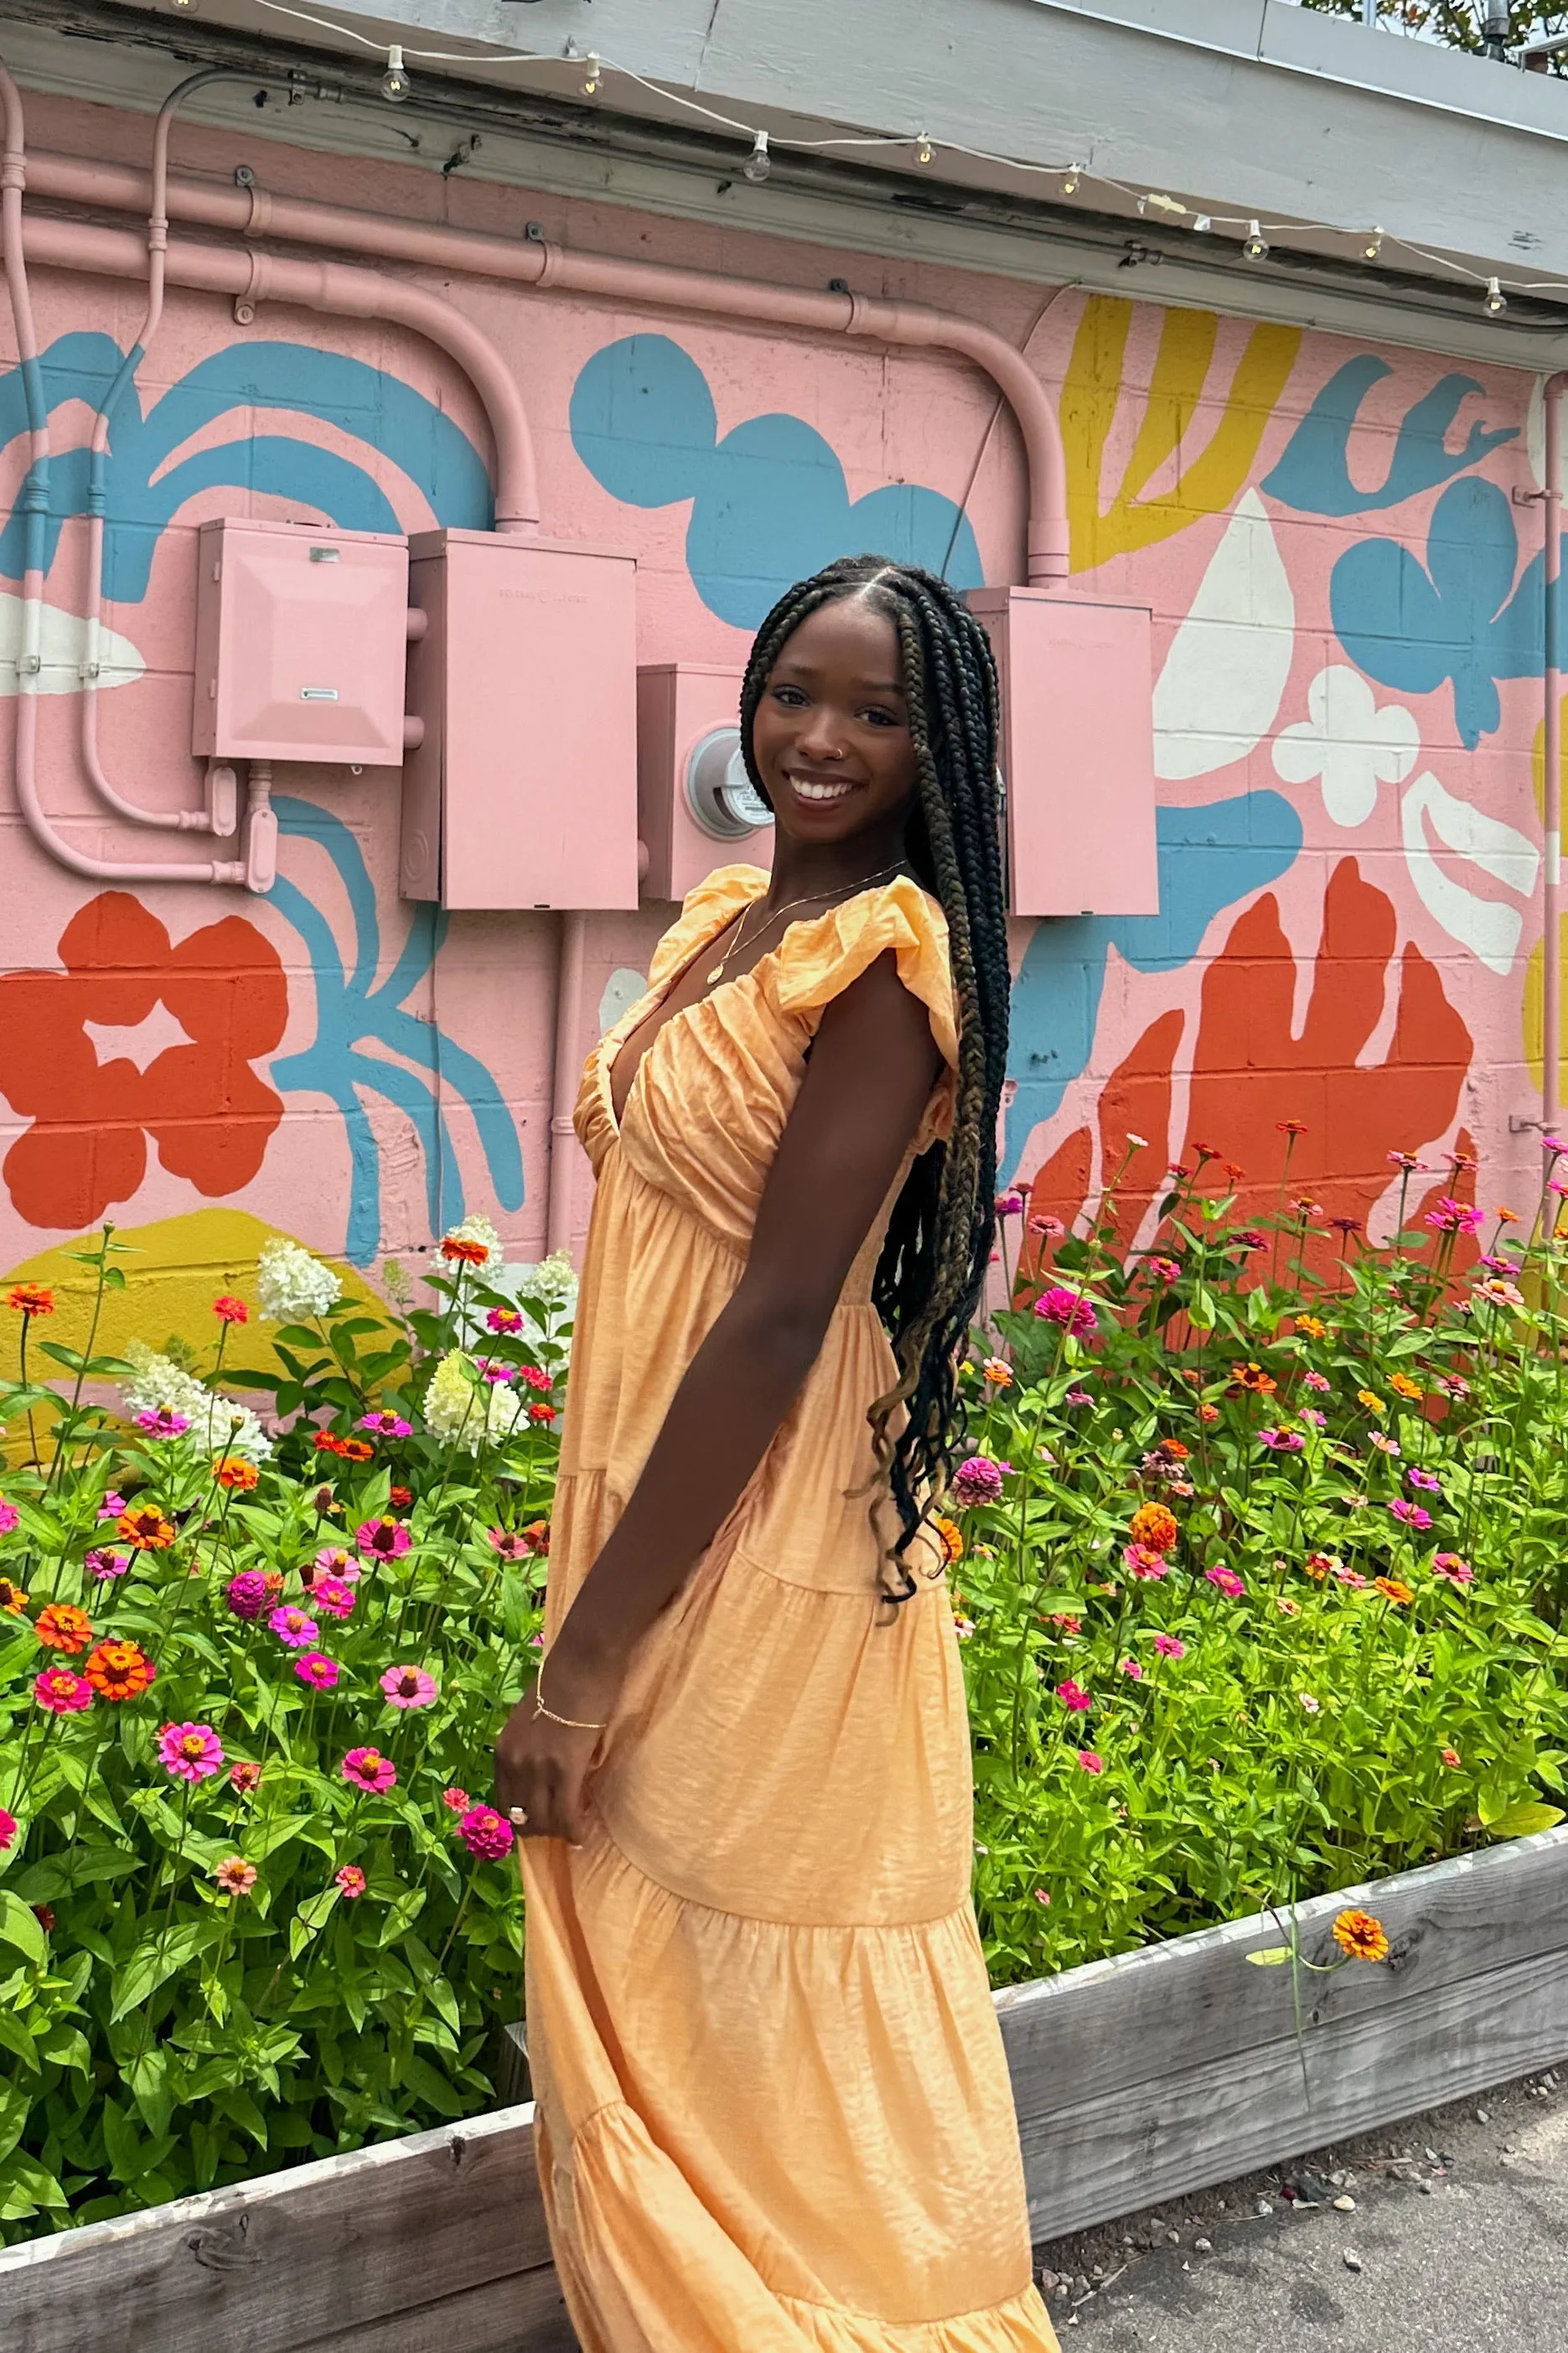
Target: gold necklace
{"x":847,"y":892}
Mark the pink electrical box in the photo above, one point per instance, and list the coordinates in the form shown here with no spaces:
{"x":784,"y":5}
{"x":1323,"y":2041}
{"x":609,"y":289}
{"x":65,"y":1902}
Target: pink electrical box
{"x":695,"y":806}
{"x":301,"y":641}
{"x":523,"y":790}
{"x":1077,"y":752}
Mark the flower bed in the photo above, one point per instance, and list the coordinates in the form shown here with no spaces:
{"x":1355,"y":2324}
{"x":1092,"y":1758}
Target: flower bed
{"x":249,"y":1915}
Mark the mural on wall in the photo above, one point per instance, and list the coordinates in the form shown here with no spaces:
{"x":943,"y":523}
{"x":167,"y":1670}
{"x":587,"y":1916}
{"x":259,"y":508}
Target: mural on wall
{"x":1348,"y":606}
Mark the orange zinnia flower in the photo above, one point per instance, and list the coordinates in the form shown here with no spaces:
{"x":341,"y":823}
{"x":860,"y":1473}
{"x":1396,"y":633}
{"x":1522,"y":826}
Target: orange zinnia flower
{"x":466,"y":1254}
{"x":1372,"y":1403}
{"x":1406,"y":1386}
{"x":13,"y":1600}
{"x":1507,"y":1216}
{"x":1155,"y":1526}
{"x":1314,"y":1329}
{"x":1400,"y":1594}
{"x":63,"y":1627}
{"x":1174,"y":1450}
{"x":998,"y":1374}
{"x":1208,"y":1413}
{"x":119,"y":1670}
{"x":32,"y":1299}
{"x":144,"y":1526}
{"x":1253,"y":1377}
{"x":948,"y":1536}
{"x":356,"y":1450}
{"x":233,"y":1471}
{"x":1362,"y":1936}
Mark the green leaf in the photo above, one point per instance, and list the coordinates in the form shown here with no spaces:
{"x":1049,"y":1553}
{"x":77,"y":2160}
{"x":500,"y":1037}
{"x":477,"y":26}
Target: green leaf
{"x":148,"y":2082}
{"x":18,"y":1927}
{"x":242,"y":2110}
{"x":15,"y":2037}
{"x":67,"y":2046}
{"x":25,"y":2188}
{"x":15,"y":2107}
{"x":1271,"y":1956}
{"x":158,"y":1956}
{"x":1523,"y":1820}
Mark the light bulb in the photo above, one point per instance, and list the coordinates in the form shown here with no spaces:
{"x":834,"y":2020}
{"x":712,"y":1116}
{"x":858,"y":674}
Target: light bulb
{"x":1497,"y":299}
{"x":1070,"y":178}
{"x":590,"y":74}
{"x":1254,"y":245}
{"x":922,"y":150}
{"x":1371,"y":245}
{"x":758,"y":163}
{"x":395,"y":83}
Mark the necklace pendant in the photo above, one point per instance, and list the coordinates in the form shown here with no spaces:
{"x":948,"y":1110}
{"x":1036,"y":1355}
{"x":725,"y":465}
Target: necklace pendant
{"x":716,"y":975}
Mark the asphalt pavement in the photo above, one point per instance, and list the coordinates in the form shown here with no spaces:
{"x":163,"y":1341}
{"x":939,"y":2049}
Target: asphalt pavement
{"x":1445,"y":2234}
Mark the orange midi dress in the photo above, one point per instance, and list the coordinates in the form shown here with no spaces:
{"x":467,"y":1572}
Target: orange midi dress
{"x":774,"y":2112}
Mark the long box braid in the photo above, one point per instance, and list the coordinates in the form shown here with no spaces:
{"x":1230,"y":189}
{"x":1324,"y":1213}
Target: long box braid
{"x":932,"y":1268}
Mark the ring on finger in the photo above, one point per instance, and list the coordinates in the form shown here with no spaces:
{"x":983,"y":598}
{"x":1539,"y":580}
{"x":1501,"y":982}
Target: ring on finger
{"x":517,"y":1817}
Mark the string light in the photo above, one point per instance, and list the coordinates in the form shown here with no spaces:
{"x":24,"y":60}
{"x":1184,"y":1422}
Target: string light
{"x":395,"y":82}
{"x":1370,"y":244}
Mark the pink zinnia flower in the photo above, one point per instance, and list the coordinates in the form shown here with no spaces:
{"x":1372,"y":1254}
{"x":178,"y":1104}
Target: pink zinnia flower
{"x":409,"y":1687}
{"x":191,"y":1752}
{"x":383,"y":1539}
{"x":8,"y":1829}
{"x":1161,"y":1269}
{"x":1450,"y":1565}
{"x":1319,"y":1381}
{"x":236,"y":1877}
{"x":1064,"y":1307}
{"x":1140,"y":1562}
{"x":10,"y":1518}
{"x":1169,"y":1647}
{"x":244,"y":1776}
{"x":485,"y":1834}
{"x":1227,"y":1580}
{"x":1384,"y":1445}
{"x":978,"y":1480}
{"x":1424,"y":1479}
{"x":1349,"y":1577}
{"x":331,"y":1594}
{"x":351,"y":1879}
{"x":111,"y":1506}
{"x":1250,"y":1240}
{"x":507,"y":1543}
{"x":457,"y":1799}
{"x":247,"y":1593}
{"x":1450,"y":1217}
{"x":314,"y":1667}
{"x":292,"y":1626}
{"x":1074,"y":1698}
{"x":1282,"y":1441}
{"x":386,"y":1424}
{"x":1412,"y":1514}
{"x":534,"y":1378}
{"x":103,"y":1564}
{"x":163,"y":1421}
{"x":505,"y":1320}
{"x":1047,"y":1228}
{"x":1091,"y":1761}
{"x":334,"y":1561}
{"x":1010,"y":1205}
{"x":229,"y":1309}
{"x":62,"y":1691}
{"x":1319,"y":1421}
{"x":367,"y":1768}
{"x":491,"y":1370}
{"x":1131,"y":1667}
{"x":1078,"y":1397}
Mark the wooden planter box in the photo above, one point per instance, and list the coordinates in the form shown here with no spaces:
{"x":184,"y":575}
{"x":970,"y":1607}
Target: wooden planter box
{"x":1136,"y":2079}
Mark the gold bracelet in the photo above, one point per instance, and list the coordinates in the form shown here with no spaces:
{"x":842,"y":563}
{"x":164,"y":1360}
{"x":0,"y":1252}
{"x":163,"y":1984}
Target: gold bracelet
{"x":573,"y":1723}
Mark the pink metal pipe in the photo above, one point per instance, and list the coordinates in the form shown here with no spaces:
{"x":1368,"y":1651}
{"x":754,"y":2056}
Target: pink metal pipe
{"x":255,"y":213}
{"x":1552,"y":749}
{"x":566,"y":1062}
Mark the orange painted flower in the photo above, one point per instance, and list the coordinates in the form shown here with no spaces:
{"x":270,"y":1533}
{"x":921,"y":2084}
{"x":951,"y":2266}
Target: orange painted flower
{"x":63,"y":1627}
{"x":1392,"y":1590}
{"x":144,"y":1526}
{"x":1153,"y":1526}
{"x":118,"y":1671}
{"x":1407,"y":1387}
{"x":465,"y":1253}
{"x":1360,"y":1937}
{"x":234,"y":1472}
{"x":948,"y":1534}
{"x":13,"y":1600}
{"x":1313,"y":1326}
{"x":32,"y":1299}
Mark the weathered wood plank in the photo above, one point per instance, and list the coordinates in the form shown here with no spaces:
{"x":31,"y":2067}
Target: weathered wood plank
{"x":274,"y":2264}
{"x":1092,"y":2161}
{"x":522,"y":2315}
{"x":1096,"y":2031}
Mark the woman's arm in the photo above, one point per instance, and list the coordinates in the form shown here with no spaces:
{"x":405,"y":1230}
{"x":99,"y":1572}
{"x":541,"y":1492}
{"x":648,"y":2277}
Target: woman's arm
{"x":868,"y":1078}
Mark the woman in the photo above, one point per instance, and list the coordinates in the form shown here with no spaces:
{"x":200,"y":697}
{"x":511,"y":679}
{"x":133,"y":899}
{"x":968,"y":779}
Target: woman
{"x":774,"y":2112}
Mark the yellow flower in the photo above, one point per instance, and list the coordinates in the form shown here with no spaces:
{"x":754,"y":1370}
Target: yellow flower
{"x":999,"y":1375}
{"x":13,"y":1600}
{"x":1313,"y":1329}
{"x":1406,"y":1386}
{"x":1372,"y":1403}
{"x":1360,"y":1937}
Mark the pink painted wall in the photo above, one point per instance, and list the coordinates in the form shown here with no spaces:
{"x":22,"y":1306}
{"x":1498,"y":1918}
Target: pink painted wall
{"x":1348,"y":666}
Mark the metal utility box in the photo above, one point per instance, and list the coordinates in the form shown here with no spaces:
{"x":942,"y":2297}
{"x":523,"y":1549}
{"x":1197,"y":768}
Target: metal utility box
{"x":301,"y":638}
{"x":522,"y":792}
{"x":696,"y":807}
{"x":1076,"y":750}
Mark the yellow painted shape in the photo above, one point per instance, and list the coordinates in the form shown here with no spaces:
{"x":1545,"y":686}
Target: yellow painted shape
{"x":1209,"y":483}
{"x":1534,"y":971}
{"x":179,"y":1267}
{"x":1538,"y":762}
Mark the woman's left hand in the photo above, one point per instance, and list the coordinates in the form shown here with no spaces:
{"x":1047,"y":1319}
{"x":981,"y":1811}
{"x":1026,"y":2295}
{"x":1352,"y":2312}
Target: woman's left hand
{"x":542,"y":1767}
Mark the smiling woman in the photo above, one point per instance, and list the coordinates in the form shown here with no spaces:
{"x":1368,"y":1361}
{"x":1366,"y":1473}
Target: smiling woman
{"x":742,"y":1776}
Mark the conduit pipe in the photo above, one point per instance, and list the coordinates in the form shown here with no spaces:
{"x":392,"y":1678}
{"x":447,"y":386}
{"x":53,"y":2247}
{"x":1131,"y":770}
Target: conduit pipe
{"x":254,"y":213}
{"x":570,"y":982}
{"x":1551,"y":755}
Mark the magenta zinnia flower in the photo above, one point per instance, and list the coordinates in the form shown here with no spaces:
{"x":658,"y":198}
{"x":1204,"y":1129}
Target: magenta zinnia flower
{"x":1074,"y":1698}
{"x":1451,"y":1217}
{"x":10,"y":1518}
{"x":367,"y":1768}
{"x":409,"y":1686}
{"x":1169,"y":1647}
{"x":1424,"y":1479}
{"x":485,"y":1834}
{"x":1282,"y":1441}
{"x":331,"y":1594}
{"x":507,"y":1543}
{"x":8,"y":1828}
{"x":977,"y":1480}
{"x":386,"y":1424}
{"x":1064,"y":1307}
{"x":334,"y":1561}
{"x":1457,"y":1570}
{"x":504,"y":1320}
{"x":1411,"y":1514}
{"x":62,"y":1691}
{"x":191,"y":1752}
{"x":102,"y":1564}
{"x":1140,"y":1562}
{"x":111,"y":1506}
{"x":1227,"y":1580}
{"x":383,"y":1539}
{"x":163,"y":1421}
{"x":292,"y":1626}
{"x":247,"y":1593}
{"x":1091,"y":1760}
{"x":314,"y":1667}
{"x":1319,"y":1381}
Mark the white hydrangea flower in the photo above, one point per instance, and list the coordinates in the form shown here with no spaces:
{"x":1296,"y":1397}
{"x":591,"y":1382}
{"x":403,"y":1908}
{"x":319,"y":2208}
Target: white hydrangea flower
{"x":218,"y":1424}
{"x":466,"y":1411}
{"x":292,"y":1285}
{"x":478,"y":1228}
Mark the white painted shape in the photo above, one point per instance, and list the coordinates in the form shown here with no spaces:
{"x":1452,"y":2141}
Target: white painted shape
{"x":141,"y":1042}
{"x":1488,"y":927}
{"x":1224,"y":676}
{"x":62,"y":640}
{"x":621,"y":991}
{"x":1347,"y":743}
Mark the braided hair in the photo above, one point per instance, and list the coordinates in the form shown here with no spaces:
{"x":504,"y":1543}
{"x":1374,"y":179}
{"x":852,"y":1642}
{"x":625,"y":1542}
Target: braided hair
{"x":934,"y":1258}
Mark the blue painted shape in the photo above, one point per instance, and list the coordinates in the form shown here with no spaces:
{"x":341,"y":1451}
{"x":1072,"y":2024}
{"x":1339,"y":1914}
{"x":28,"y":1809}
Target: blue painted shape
{"x":351,"y":1012}
{"x":1459,"y":617}
{"x":769,"y":501}
{"x":144,"y":489}
{"x":1313,"y":474}
{"x":1209,"y":858}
